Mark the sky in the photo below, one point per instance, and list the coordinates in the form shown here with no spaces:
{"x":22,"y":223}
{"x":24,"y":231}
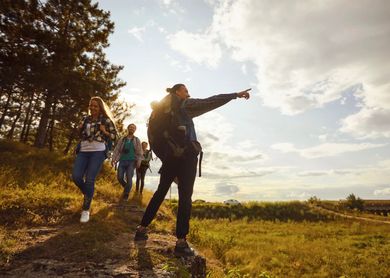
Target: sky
{"x":317,"y":123}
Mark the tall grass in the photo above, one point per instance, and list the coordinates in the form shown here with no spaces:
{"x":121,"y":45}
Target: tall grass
{"x":278,"y":211}
{"x":294,"y":249}
{"x":36,"y":190}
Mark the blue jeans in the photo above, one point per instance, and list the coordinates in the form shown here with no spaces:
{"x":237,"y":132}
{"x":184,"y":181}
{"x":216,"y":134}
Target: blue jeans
{"x":126,"y":167}
{"x":85,"y":169}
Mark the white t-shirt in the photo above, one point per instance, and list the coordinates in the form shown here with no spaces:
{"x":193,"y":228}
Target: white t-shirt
{"x":94,"y":146}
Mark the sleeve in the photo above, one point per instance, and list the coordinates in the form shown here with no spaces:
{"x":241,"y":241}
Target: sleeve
{"x":81,"y":126}
{"x":140,"y":153}
{"x":111,"y":129}
{"x":196,"y":107}
{"x":117,"y":150}
{"x":149,"y":156}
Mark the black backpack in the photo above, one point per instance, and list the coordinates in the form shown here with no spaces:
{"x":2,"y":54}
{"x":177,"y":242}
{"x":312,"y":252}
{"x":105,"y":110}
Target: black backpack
{"x":166,"y":129}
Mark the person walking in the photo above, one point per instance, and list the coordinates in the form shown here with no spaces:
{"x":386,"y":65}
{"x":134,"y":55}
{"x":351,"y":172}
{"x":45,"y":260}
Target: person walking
{"x":141,"y":171}
{"x":182,"y":168}
{"x":96,"y":130}
{"x":128,"y":152}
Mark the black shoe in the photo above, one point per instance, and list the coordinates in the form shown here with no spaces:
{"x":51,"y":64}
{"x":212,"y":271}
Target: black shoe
{"x":182,"y":249}
{"x":140,"y":235}
{"x":125,"y":196}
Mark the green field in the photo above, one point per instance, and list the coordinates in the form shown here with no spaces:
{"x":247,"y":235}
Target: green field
{"x":288,"y":248}
{"x":258,"y":239}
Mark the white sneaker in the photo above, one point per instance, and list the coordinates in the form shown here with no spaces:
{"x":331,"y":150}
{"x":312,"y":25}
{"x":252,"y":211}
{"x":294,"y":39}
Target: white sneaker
{"x":84,"y":216}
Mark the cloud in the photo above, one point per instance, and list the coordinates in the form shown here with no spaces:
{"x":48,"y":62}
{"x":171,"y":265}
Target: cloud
{"x":382,"y":192}
{"x":301,"y":65}
{"x":326,"y":149}
{"x":226,"y":189}
{"x":329,"y":173}
{"x":199,"y":48}
{"x":313,"y":173}
{"x":368,"y":123}
{"x":223,"y":172}
{"x":137,"y":32}
{"x":298,"y":195}
{"x":306,"y":54}
{"x":177,"y":64}
{"x":167,"y":2}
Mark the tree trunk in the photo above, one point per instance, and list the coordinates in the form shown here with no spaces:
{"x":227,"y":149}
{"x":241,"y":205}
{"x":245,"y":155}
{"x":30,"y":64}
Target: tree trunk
{"x":22,"y":134}
{"x":69,"y":144}
{"x":12,"y":130}
{"x":7,"y":104}
{"x":40,"y":137}
{"x":30,"y":120}
{"x":51,"y":127}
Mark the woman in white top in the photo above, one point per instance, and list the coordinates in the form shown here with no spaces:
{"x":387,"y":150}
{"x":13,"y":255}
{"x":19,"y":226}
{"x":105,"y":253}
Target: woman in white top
{"x":96,"y":130}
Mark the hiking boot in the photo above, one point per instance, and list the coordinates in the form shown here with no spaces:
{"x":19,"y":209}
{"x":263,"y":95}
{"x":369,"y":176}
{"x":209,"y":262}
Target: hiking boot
{"x":182,"y":249}
{"x":140,"y":234}
{"x":84,"y":216}
{"x":125,"y":196}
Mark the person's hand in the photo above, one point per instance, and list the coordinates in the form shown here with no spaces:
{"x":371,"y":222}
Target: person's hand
{"x":103,"y":129}
{"x":244,"y":94}
{"x":113,"y":163}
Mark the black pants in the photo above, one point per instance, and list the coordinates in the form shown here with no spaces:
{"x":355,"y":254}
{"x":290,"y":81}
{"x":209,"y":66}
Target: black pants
{"x":185,"y":171}
{"x":141,"y":172}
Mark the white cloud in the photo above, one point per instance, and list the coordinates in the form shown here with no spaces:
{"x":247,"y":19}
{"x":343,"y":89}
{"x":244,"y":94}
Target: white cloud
{"x":307,"y":54}
{"x":199,"y":48}
{"x":137,"y":32}
{"x":177,"y":64}
{"x":226,"y":189}
{"x":368,"y":123}
{"x":382,"y":192}
{"x":326,"y":149}
{"x":167,"y":2}
{"x":304,"y":59}
{"x":299,"y":195}
{"x":243,"y":69}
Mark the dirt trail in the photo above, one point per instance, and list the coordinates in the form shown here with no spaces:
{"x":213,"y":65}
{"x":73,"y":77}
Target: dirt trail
{"x":349,"y":216}
{"x":55,"y":252}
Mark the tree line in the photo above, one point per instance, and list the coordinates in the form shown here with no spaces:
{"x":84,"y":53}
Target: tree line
{"x":52,"y":61}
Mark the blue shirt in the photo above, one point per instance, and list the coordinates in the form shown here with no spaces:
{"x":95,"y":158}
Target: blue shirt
{"x":128,"y":151}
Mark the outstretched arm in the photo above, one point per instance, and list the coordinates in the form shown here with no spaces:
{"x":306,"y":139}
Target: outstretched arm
{"x":196,"y":107}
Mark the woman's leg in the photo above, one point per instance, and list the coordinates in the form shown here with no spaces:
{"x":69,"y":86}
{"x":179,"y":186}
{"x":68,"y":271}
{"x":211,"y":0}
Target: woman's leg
{"x":95,"y":163}
{"x":142,"y":174}
{"x":138,"y":179}
{"x":79,"y":168}
{"x":186,"y":177}
{"x":168,"y":173}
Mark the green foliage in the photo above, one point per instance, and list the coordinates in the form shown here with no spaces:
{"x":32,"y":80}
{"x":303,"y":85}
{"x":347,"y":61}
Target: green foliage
{"x":313,"y":200}
{"x":177,"y":269}
{"x":53,"y":61}
{"x":274,"y":211}
{"x":354,"y":202}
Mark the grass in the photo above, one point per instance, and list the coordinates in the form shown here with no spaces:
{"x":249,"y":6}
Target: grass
{"x":36,"y":191}
{"x":294,"y":249}
{"x":255,"y":240}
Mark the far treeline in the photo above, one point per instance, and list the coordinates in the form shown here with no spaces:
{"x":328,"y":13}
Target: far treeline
{"x":51,"y":63}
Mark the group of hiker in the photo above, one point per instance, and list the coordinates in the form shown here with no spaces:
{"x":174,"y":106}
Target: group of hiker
{"x":172,"y":137}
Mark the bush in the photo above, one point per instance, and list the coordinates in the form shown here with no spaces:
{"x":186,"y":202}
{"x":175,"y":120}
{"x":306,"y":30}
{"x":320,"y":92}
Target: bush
{"x":354,"y":202}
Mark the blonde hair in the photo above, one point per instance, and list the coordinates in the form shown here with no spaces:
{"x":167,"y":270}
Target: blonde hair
{"x":104,"y":110}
